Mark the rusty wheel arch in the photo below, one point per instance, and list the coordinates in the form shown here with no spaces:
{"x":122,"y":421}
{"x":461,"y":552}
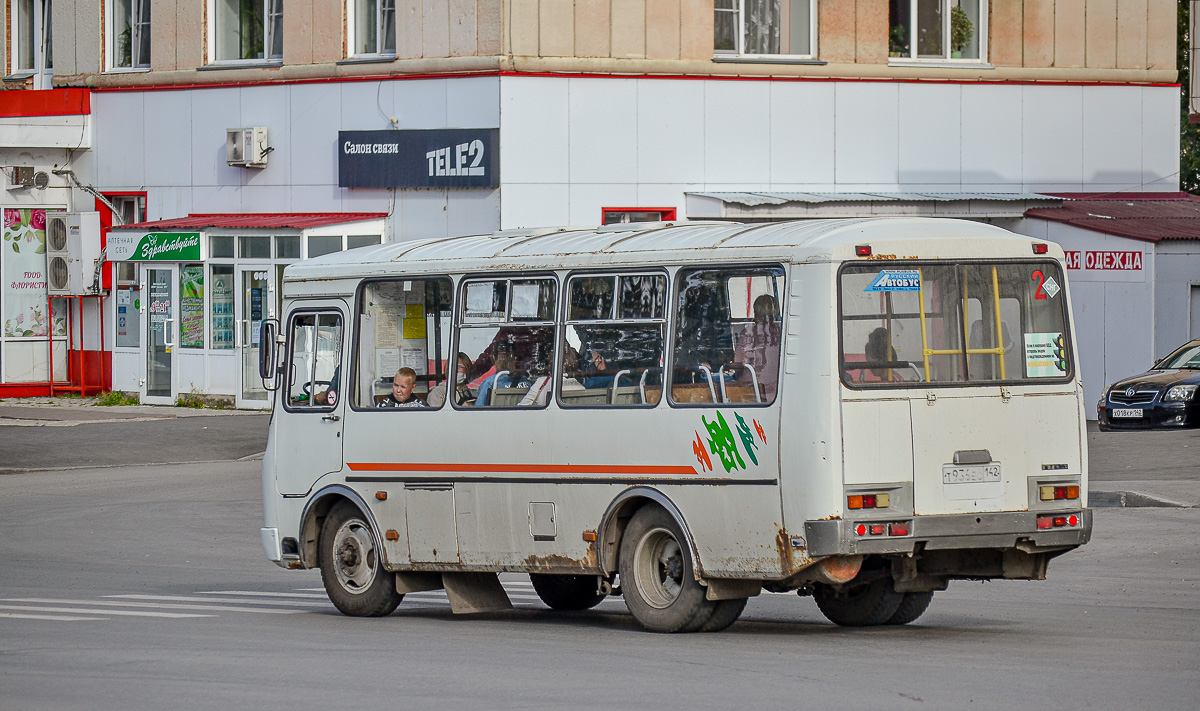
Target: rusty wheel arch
{"x":314,"y":515}
{"x":617,"y":515}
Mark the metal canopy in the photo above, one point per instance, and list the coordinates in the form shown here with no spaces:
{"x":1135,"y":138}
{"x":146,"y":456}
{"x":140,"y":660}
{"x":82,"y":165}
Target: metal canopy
{"x":791,"y":206}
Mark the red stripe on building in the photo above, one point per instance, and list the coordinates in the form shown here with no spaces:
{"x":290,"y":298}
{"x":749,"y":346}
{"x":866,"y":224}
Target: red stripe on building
{"x":50,"y":102}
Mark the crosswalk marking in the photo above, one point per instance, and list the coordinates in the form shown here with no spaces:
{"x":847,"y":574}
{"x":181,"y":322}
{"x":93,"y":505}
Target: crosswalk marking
{"x":161,"y":605}
{"x":128,"y":613}
{"x":232,"y":601}
{"x":248,"y":593}
{"x":59,"y":618}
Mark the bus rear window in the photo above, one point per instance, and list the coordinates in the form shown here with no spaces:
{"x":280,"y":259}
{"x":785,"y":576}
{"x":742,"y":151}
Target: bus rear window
{"x":953,"y":323}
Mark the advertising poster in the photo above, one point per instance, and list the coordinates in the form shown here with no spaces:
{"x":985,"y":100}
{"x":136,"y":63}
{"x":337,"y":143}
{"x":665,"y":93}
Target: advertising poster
{"x":24,"y":249}
{"x":191,"y":307}
{"x":222,"y":309}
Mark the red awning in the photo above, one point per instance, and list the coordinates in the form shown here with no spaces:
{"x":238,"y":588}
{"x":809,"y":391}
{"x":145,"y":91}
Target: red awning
{"x":1150,"y":217}
{"x":260,"y":220}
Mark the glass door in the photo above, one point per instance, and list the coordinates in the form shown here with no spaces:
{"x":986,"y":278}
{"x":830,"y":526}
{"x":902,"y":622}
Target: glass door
{"x":162,"y":334}
{"x":255,"y":305}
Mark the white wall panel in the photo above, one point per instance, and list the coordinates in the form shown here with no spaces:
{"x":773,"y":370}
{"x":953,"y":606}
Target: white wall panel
{"x":587,"y":200}
{"x":319,"y":198}
{"x":670,"y":141}
{"x":190,"y":371}
{"x":120,"y":143}
{"x":534,"y":205}
{"x":265,"y":198}
{"x":363,"y":104}
{"x":991,"y":136}
{"x":1160,"y":131}
{"x":368,"y":199}
{"x":420,"y":214}
{"x":930,"y":146}
{"x":866,"y":132}
{"x":473,"y":212}
{"x":168,"y":202}
{"x":223,"y":372}
{"x":213,"y":111}
{"x":220,"y":198}
{"x":167,"y":138}
{"x":126,"y":371}
{"x":1112,"y":136}
{"x":1052,"y":139}
{"x":802,"y":129}
{"x":737,"y":131}
{"x":313,"y":122}
{"x":667,"y":195}
{"x":473,"y":102}
{"x":419,"y":103}
{"x":534,"y":141}
{"x":603,"y":130}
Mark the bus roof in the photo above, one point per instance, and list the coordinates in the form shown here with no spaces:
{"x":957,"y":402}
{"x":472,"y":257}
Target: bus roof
{"x":690,"y":242}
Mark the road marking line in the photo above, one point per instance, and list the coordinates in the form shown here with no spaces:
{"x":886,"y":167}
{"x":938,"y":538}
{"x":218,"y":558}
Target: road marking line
{"x":234,"y":601}
{"x":320,"y":596}
{"x":130,"y":613}
{"x":61,"y":618}
{"x":169,"y":606}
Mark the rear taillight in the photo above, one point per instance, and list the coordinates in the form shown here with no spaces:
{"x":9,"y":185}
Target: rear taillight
{"x":1055,"y":493}
{"x":897,"y":528}
{"x":1049,"y":522}
{"x":868,"y":501}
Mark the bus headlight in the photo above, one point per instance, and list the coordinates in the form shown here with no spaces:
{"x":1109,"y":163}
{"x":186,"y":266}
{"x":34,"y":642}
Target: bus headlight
{"x":1179,"y":393}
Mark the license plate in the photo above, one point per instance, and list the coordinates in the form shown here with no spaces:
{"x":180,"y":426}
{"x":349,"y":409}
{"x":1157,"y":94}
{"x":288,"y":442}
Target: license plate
{"x":973,"y":474}
{"x":1127,"y":412}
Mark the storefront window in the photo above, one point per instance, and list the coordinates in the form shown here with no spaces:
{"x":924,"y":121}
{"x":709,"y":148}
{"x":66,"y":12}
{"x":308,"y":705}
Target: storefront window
{"x":319,"y":245}
{"x":354,"y":241}
{"x":191,"y":306}
{"x":258,"y":247}
{"x":129,"y":323}
{"x":221,"y":301}
{"x":221,"y":246}
{"x":287,"y":247}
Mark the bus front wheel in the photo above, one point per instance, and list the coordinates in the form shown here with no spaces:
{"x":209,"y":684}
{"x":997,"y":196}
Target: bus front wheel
{"x":567,"y":592}
{"x":867,"y":605}
{"x":656,"y":575}
{"x":351,"y":565}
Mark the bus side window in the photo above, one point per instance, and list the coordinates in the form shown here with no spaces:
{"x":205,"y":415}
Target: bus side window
{"x":728,"y":331}
{"x":613,"y":341}
{"x":403,"y":323}
{"x":506,"y":330}
{"x":315,"y":361}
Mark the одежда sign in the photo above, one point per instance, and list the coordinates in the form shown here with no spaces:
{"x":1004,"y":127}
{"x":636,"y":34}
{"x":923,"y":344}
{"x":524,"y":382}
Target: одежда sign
{"x":434,"y":158}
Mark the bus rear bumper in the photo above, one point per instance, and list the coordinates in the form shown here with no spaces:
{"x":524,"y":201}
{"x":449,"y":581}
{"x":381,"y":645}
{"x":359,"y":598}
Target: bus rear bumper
{"x":1004,"y":530}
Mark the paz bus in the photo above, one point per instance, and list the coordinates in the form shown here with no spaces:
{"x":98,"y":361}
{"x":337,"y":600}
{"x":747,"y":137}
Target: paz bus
{"x":682,"y":414}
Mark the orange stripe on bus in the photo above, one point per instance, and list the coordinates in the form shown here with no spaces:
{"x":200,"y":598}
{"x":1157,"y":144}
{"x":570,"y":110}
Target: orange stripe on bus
{"x":515,"y":468}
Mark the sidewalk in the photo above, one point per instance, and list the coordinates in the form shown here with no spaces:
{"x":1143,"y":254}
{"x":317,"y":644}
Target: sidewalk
{"x":69,"y":411}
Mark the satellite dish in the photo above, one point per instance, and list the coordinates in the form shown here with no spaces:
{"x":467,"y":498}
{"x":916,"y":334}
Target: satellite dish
{"x":41,"y":179}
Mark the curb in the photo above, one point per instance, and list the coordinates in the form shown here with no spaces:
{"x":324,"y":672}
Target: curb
{"x":1131,"y":499}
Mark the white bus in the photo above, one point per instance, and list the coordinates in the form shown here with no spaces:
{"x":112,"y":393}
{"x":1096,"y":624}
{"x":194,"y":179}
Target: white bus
{"x":682,"y":414}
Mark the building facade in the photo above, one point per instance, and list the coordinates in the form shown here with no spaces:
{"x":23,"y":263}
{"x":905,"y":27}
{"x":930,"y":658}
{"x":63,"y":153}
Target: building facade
{"x":583,"y":110}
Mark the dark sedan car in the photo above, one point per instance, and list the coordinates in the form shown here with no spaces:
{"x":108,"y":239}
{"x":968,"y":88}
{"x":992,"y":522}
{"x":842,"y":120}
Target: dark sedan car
{"x":1164,"y":396}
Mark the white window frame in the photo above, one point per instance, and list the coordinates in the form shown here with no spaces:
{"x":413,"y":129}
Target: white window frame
{"x":139,"y":34}
{"x":740,"y":50}
{"x":41,"y":69}
{"x":382,"y":17}
{"x":981,"y":35}
{"x":272,"y":16}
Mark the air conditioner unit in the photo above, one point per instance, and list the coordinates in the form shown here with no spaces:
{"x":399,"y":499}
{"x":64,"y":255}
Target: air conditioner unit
{"x":23,"y":176}
{"x":247,"y":147}
{"x":72,"y":250}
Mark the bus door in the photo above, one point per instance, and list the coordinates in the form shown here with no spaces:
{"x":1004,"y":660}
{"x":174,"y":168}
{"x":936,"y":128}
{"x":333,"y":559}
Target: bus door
{"x":312,"y":403}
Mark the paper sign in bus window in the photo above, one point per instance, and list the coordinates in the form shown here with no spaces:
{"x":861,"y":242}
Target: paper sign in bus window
{"x":1045,"y":355}
{"x":896,"y":280}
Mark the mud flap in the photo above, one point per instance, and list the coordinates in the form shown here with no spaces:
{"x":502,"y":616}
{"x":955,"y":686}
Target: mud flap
{"x":475,"y":592}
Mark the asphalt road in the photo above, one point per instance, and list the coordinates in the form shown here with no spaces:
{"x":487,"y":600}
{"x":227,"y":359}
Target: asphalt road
{"x":144,"y":587}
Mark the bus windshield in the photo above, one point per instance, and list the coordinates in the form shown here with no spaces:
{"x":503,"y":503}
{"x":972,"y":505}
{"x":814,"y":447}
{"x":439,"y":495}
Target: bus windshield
{"x":949,"y":323}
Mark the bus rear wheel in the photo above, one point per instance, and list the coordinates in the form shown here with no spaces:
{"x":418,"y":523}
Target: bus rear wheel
{"x":865,"y":605}
{"x":567,"y":592}
{"x":656,"y":575}
{"x":352,"y":567}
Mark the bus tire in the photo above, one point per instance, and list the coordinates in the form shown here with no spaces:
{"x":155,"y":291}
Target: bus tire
{"x":656,"y":574}
{"x":567,"y":592}
{"x":860,"y":606}
{"x":727,"y":612}
{"x":912,"y":607}
{"x":352,"y":567}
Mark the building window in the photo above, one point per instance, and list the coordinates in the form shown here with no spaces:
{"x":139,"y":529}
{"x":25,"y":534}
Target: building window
{"x":31,"y":40}
{"x":246,"y":30}
{"x":371,"y":27}
{"x":937,"y":29}
{"x":765,"y":27}
{"x":621,"y":215}
{"x":128,"y":34}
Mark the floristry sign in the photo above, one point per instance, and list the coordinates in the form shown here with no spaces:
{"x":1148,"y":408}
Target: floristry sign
{"x":24,"y":259}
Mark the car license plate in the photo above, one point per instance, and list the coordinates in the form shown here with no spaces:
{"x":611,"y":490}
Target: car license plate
{"x":1127,"y":412}
{"x":974,"y":474}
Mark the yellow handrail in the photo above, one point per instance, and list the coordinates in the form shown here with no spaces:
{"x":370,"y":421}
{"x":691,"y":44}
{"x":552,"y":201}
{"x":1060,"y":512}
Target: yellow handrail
{"x":925,"y":352}
{"x":999,"y":330}
{"x":966,"y":350}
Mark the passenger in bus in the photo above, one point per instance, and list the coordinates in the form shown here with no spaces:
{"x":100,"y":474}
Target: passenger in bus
{"x":504,"y":377}
{"x":539,"y":392}
{"x":402,"y":391}
{"x":704,"y":334}
{"x":877,"y":350}
{"x":758,"y":346}
{"x":462,"y":394}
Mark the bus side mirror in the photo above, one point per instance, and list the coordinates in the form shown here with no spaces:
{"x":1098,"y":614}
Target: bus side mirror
{"x":267,"y":361}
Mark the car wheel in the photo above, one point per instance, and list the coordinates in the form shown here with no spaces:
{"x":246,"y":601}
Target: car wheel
{"x":656,"y":575}
{"x":351,"y":565}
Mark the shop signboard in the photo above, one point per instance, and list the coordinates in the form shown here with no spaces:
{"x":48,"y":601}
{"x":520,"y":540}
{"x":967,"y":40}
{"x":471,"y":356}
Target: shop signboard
{"x":433,"y":158}
{"x":154,"y":247}
{"x":24,"y":286}
{"x":191,"y":307}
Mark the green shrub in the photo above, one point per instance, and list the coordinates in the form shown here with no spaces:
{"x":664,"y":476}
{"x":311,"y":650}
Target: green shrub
{"x":115,"y":397}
